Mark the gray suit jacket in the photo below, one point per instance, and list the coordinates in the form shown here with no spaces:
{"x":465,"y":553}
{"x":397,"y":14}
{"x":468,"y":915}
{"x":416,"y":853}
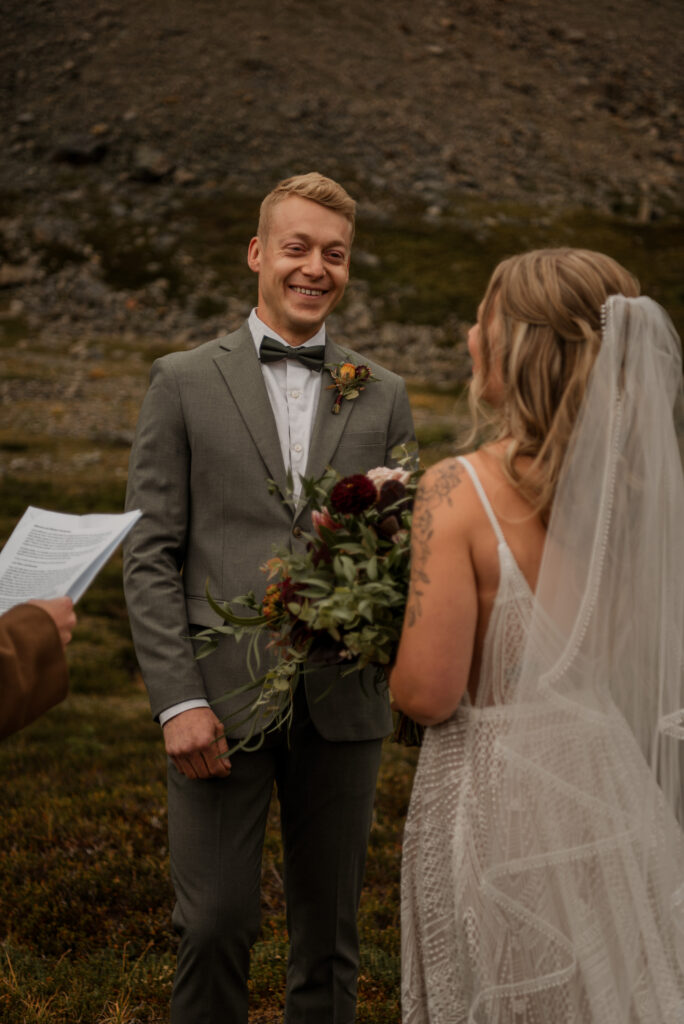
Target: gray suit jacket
{"x":205,"y":446}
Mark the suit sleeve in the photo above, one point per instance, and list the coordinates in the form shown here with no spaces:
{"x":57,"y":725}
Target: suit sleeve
{"x":401,"y":429}
{"x":154,"y":552}
{"x":33,"y":669}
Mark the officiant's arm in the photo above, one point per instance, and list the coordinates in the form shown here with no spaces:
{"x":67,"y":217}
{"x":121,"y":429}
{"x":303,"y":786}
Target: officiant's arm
{"x":433,"y":662}
{"x":33,"y":668}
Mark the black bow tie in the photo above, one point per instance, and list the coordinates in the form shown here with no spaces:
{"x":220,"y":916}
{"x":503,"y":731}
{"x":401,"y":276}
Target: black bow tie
{"x":270,"y":351}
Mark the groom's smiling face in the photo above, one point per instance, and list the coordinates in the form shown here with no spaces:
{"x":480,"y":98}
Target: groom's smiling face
{"x":303,"y":266}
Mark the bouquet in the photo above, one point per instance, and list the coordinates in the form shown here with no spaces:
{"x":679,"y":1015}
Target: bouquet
{"x":340,"y":600}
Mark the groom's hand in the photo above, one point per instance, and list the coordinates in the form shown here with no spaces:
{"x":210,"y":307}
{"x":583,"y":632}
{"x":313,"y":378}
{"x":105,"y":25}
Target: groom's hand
{"x":196,"y":744}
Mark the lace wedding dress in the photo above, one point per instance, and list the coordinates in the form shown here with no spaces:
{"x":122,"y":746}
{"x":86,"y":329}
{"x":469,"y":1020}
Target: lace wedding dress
{"x":543,"y":865}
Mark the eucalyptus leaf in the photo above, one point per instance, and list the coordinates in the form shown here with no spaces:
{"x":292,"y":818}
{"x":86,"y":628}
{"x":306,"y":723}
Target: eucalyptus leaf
{"x":225,"y":612}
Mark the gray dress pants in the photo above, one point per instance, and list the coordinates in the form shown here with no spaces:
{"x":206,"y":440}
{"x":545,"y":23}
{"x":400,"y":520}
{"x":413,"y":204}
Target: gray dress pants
{"x":216,"y":833}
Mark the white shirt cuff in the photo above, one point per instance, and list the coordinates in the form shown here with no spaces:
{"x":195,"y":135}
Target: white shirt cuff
{"x":168,"y":713}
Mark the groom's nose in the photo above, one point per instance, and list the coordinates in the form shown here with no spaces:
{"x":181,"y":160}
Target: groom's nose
{"x":314,"y":265}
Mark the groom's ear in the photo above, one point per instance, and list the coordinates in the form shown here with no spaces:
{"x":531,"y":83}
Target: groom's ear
{"x":254,"y":254}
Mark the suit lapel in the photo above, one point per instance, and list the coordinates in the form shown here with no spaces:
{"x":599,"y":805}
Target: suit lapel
{"x":328,"y":427}
{"x":239,"y":365}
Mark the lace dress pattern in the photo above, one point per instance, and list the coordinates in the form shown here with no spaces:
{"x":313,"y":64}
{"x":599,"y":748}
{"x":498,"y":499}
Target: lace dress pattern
{"x":480,"y":947}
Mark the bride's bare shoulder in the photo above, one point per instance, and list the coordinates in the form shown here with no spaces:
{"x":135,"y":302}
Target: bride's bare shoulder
{"x":506,"y":499}
{"x":442,"y":479}
{"x":445,"y":493}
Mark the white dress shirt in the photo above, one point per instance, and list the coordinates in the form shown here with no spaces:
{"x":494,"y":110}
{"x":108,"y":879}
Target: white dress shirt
{"x":293,"y":392}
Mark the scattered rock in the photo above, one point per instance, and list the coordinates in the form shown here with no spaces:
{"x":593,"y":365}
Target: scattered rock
{"x":12,"y":275}
{"x":365,"y":259}
{"x":56,"y":231}
{"x":81,"y":150}
{"x":182,"y":176}
{"x":424,"y":87}
{"x":150,"y":164}
{"x":567,"y":34}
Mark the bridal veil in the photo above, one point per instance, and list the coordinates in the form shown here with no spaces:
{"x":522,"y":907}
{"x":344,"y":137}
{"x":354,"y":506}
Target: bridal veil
{"x":587,"y":880}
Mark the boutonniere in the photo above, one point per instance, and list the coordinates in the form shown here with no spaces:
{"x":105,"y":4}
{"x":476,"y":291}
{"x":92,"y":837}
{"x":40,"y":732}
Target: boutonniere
{"x":348,"y":380}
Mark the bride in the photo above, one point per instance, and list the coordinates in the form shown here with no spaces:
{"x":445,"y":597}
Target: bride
{"x":543,"y":865}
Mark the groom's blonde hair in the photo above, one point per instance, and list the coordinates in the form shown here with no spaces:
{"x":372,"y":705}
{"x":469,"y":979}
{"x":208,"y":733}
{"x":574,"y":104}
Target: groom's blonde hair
{"x":547,"y":308}
{"x":313,"y":186}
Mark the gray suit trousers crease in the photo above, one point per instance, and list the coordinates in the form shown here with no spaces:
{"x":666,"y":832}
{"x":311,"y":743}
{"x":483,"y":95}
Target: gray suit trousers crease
{"x":216,"y":829}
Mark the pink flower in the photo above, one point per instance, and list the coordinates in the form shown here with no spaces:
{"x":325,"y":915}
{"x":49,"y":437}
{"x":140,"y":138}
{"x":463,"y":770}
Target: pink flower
{"x":323,"y":519}
{"x":381,"y":474}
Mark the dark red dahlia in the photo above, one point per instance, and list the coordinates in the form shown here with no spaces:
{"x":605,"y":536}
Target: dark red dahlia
{"x":353,"y":494}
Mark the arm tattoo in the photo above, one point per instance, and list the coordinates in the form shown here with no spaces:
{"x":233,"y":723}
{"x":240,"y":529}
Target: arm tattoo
{"x":445,"y":479}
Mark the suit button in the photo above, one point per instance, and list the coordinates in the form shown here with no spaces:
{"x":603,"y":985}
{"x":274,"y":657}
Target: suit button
{"x":297,"y":531}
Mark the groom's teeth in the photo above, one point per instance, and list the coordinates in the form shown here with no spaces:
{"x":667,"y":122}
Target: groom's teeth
{"x":307,"y":291}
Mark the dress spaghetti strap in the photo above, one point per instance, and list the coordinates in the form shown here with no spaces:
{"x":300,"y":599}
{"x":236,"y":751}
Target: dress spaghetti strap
{"x":484,"y":499}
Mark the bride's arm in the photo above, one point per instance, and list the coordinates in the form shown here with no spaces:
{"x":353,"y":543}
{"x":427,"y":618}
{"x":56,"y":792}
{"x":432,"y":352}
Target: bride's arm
{"x":431,"y":672}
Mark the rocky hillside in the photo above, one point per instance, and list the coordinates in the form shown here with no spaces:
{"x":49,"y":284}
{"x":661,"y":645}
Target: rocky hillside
{"x":137,"y":138}
{"x":575,"y":104}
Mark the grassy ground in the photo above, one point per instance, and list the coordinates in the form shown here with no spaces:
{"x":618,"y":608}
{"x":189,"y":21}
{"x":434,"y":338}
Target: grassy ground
{"x":84,"y":888}
{"x":84,"y":874}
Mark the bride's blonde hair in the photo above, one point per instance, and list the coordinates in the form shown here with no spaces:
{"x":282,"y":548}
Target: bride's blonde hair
{"x":545,"y":308}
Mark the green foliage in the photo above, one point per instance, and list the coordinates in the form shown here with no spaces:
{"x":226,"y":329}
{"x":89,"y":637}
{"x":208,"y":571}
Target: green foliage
{"x":63,"y":493}
{"x":427,"y":272}
{"x":128,"y":253}
{"x":107,"y":987}
{"x":339,"y":599}
{"x":435,"y":434}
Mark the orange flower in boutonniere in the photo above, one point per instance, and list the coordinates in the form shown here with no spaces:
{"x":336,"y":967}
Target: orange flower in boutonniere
{"x":349,"y":381}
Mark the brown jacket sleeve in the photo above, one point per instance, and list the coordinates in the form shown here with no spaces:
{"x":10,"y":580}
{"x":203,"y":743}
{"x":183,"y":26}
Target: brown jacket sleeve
{"x":33,"y":669}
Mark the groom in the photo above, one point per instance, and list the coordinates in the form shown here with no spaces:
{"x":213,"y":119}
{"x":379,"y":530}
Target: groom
{"x":217,"y":423}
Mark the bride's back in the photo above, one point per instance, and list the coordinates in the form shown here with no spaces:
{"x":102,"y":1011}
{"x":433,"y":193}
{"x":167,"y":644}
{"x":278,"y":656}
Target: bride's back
{"x":523,"y":532}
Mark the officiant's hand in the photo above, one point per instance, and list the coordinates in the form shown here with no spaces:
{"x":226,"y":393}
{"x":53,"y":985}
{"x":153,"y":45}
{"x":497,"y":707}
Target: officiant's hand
{"x":61,"y":611}
{"x":195,"y":742}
